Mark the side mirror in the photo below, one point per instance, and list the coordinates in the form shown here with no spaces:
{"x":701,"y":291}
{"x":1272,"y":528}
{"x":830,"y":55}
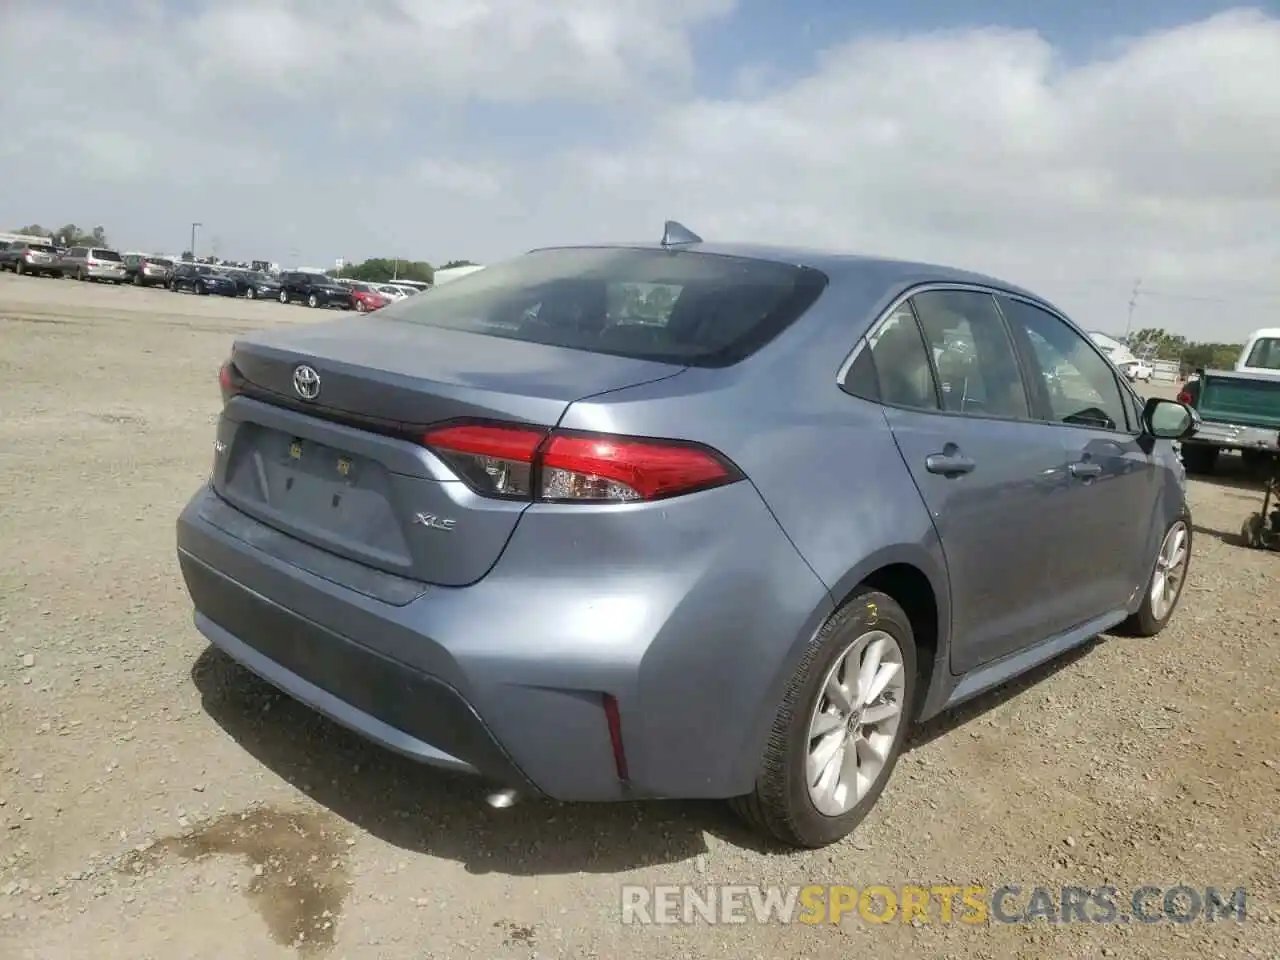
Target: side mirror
{"x":1169,"y":419}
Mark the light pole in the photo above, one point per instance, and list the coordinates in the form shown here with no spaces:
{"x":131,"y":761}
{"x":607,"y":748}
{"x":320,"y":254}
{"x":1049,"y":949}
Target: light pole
{"x":194,"y":228}
{"x":1133,"y":302}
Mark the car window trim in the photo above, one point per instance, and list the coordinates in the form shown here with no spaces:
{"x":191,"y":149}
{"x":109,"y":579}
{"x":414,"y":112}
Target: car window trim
{"x":928,"y":287}
{"x":1129,"y":429}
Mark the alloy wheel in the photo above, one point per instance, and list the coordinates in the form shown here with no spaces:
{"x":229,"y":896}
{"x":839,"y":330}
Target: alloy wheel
{"x":854,"y":723}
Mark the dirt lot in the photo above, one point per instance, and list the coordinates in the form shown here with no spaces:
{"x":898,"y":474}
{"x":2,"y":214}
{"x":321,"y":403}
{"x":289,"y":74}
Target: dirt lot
{"x":155,"y":801}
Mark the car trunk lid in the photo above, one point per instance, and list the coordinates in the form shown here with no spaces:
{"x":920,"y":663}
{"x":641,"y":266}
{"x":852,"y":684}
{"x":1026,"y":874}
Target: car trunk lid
{"x":337,"y":461}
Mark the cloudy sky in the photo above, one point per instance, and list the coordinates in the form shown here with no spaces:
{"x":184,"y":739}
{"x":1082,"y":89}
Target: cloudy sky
{"x":1070,"y":147}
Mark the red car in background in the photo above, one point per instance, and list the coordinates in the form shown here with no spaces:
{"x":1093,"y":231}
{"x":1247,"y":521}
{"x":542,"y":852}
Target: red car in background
{"x":364,"y":298}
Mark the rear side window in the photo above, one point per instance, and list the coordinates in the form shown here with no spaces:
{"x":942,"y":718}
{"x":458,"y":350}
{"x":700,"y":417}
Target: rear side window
{"x":1265,"y":354}
{"x":978,"y":371}
{"x":680,"y":307}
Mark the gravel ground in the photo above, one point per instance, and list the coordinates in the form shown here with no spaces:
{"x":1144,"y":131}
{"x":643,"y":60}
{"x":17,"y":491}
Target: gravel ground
{"x":155,"y":801}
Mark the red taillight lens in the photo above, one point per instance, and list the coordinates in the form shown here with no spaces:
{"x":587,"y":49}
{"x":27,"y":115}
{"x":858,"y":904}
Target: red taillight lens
{"x":1184,"y":396}
{"x":528,"y":463}
{"x":229,"y":379}
{"x":594,"y":467}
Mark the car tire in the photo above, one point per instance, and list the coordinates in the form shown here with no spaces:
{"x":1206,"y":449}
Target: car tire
{"x":782,"y":805}
{"x":18,"y":267}
{"x":80,"y":275}
{"x":313,"y":301}
{"x":284,"y":296}
{"x":360,"y":307}
{"x":1169,"y":571}
{"x":201,"y":290}
{"x":250,"y":293}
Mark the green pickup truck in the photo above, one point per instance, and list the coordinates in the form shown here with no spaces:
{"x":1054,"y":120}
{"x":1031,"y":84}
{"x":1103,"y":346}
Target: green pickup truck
{"x":1239,"y":409}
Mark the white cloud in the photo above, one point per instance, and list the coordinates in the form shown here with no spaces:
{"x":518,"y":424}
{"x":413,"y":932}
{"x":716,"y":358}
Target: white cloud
{"x":985,"y":148}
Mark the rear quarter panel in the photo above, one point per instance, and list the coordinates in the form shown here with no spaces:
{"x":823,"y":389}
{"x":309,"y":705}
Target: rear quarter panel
{"x":824,"y":462}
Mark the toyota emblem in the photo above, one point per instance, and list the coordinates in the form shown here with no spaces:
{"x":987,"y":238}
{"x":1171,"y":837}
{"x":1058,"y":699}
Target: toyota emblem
{"x":306,"y":382}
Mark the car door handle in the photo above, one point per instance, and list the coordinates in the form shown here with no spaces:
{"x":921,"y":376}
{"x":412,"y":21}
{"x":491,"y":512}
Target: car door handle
{"x":949,"y":464}
{"x":1085,"y":469}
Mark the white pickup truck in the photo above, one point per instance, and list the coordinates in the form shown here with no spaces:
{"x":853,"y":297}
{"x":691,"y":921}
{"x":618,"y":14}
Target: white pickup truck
{"x":1136,"y":369}
{"x":1239,"y":408}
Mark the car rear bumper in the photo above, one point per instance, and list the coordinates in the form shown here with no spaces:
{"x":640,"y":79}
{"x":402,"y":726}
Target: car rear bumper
{"x":506,"y":678}
{"x":105,"y":273}
{"x":1234,"y":436}
{"x":38,"y":266}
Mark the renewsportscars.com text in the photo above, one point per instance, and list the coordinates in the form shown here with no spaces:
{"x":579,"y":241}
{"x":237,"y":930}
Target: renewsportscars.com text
{"x":938,"y":903}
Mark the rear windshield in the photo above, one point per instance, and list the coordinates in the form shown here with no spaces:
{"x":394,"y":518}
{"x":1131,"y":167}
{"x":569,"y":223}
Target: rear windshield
{"x":104,"y":255}
{"x":1265,"y":354}
{"x":681,"y":307}
{"x":160,"y":261}
{"x":42,"y":247}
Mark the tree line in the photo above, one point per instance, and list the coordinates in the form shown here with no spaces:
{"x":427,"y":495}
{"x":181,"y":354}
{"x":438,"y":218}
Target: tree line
{"x":388,"y":269}
{"x":68,"y":235}
{"x":1158,"y":344}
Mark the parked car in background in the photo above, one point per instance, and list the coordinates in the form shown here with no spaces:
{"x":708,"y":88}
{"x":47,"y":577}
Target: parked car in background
{"x":39,"y":259}
{"x":390,"y":291}
{"x":92,"y":263}
{"x":313,"y":289}
{"x":202,"y":279}
{"x":144,"y":270}
{"x":256,"y":285}
{"x":366,"y":298}
{"x":1136,"y":370}
{"x":526,"y":526}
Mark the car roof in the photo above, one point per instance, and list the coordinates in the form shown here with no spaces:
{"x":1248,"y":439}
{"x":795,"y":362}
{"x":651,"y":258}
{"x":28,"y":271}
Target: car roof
{"x":888,"y":272}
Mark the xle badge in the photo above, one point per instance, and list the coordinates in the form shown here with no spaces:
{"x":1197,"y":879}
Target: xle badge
{"x":344,"y":466}
{"x":295,"y":450}
{"x":432,"y":522}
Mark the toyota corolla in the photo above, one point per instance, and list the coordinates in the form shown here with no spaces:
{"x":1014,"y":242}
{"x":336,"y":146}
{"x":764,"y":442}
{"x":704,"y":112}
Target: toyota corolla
{"x":680,"y":519}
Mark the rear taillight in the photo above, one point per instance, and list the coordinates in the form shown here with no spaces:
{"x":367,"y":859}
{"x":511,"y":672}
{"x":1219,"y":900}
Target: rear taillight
{"x":524,"y":463}
{"x":1184,"y":396}
{"x":229,"y":381}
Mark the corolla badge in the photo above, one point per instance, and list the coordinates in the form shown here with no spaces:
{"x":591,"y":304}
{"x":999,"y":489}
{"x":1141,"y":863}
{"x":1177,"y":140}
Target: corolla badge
{"x":433,"y":522}
{"x":306,"y":382}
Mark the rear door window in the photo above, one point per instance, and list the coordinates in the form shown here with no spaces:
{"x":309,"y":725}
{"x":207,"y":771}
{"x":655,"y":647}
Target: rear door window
{"x":902,"y":372}
{"x":978,"y":371}
{"x":680,"y":307}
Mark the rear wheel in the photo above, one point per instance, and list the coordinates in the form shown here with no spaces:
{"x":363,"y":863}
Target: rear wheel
{"x":201,"y":290}
{"x":840,"y":728}
{"x":360,"y":307}
{"x":284,"y":296}
{"x":251,"y":294}
{"x":1164,"y":587}
{"x":313,"y":300}
{"x":19,"y":267}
